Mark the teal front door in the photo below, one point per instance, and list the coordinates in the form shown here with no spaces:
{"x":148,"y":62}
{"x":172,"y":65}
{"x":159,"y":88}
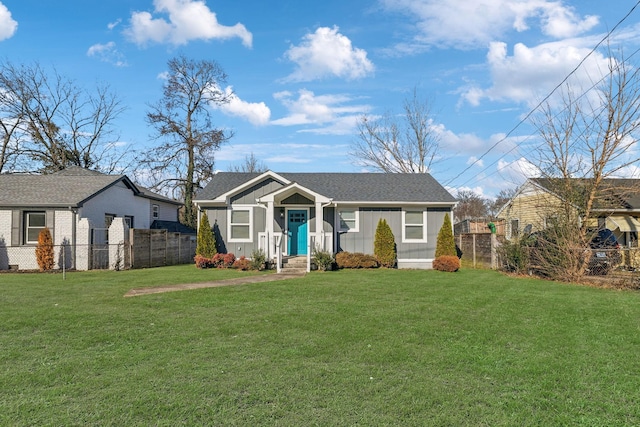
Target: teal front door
{"x":297,"y":226}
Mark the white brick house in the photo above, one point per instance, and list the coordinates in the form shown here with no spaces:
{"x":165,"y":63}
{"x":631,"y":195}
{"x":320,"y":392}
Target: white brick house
{"x":66,"y":201}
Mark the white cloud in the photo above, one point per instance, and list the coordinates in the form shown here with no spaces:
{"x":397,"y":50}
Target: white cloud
{"x":256,"y":113}
{"x":107,"y":53}
{"x":327,"y":114}
{"x":327,"y":53}
{"x":112,"y":25}
{"x":187,"y":20}
{"x":8,"y":26}
{"x":465,"y":24}
{"x":517,"y":171}
{"x":529,"y":74}
{"x":473,"y":160}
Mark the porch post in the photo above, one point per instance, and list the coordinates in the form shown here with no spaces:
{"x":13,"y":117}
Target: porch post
{"x":319,"y":226}
{"x":269,"y":229}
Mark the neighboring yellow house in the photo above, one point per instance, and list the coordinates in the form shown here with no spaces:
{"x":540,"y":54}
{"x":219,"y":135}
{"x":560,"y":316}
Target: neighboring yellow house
{"x":617,"y":207}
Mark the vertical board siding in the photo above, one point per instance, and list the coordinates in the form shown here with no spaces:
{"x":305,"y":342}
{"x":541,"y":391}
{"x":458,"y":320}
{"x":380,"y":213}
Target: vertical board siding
{"x":249,"y":196}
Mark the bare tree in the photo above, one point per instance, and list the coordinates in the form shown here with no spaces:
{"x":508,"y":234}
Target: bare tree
{"x":501,"y":199}
{"x":470,"y":205}
{"x":387,"y":144}
{"x":49,"y":123}
{"x":587,"y":141}
{"x":250,"y":164}
{"x":182,"y":120}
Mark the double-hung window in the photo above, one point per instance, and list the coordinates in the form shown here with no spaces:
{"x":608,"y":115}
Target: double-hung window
{"x":240,"y":224}
{"x":348,"y":218}
{"x":414,"y":226}
{"x":34,"y":223}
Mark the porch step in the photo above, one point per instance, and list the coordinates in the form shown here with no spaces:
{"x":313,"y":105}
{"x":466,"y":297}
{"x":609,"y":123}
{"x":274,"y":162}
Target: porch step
{"x":294,"y":265}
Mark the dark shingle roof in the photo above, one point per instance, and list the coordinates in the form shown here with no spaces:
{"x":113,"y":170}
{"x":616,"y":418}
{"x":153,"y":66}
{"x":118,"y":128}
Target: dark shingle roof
{"x":70,"y":187}
{"x":613,"y":193}
{"x":357,"y":187}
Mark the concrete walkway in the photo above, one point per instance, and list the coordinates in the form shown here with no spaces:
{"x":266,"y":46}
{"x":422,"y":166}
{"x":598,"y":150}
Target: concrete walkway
{"x":226,"y":282}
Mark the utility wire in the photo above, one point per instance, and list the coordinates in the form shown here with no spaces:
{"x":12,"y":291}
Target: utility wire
{"x":546,"y":98}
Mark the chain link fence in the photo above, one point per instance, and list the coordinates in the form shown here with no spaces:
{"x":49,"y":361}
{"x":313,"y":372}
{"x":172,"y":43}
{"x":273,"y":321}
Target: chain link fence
{"x":618,"y":268}
{"x":163,"y":249}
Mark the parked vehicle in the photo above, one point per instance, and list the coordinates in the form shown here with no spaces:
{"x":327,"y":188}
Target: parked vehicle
{"x":605,"y":252}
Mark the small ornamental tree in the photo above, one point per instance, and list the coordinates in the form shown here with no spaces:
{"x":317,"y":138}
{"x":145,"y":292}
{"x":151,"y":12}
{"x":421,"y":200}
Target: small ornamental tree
{"x":206,"y":242}
{"x":384,"y":245}
{"x":446,"y":244}
{"x":44,"y":250}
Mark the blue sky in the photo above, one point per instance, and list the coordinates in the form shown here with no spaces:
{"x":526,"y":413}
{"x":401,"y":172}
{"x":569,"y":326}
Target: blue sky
{"x":304,"y":72}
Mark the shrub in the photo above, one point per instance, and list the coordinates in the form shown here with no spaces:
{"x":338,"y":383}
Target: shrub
{"x":514,"y":256}
{"x":202,"y":262}
{"x":447,"y":263}
{"x":355,"y":260}
{"x":242,"y":263}
{"x":206,"y":242}
{"x":44,"y":250}
{"x":446,"y":244}
{"x":384,"y":245}
{"x":228,"y":260}
{"x":324,"y":259}
{"x":258,"y":260}
{"x":217,"y":261}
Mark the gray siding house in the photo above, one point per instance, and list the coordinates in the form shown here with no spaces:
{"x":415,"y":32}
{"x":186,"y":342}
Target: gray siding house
{"x":290,"y":214}
{"x":66,"y":202}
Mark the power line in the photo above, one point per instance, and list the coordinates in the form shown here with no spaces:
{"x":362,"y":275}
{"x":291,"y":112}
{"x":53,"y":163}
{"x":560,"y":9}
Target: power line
{"x":546,"y":98}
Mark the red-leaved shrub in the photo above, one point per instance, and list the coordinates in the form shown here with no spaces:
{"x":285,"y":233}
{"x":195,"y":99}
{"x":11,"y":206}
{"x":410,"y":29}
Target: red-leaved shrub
{"x":228,"y":260}
{"x":217,"y":261}
{"x":242,"y":263}
{"x":202,"y":262}
{"x":447,"y":263}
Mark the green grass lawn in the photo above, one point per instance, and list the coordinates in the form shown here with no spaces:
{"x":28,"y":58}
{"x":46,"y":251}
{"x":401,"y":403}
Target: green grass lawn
{"x":370,"y":348}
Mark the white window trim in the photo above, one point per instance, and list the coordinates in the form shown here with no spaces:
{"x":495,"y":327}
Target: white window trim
{"x":240,"y":208}
{"x":155,"y":211}
{"x":26,"y":226}
{"x":404,"y":226}
{"x":356,"y":228}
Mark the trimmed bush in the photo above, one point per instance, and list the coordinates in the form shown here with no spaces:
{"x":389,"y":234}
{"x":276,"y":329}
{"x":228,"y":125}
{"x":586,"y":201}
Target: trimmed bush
{"x":355,"y":260}
{"x":242,"y":263}
{"x":384,"y":245}
{"x":206,"y":242}
{"x":44,"y":250}
{"x":202,"y":262}
{"x":217,"y":261}
{"x":228,"y":260}
{"x":446,"y":263}
{"x":446,"y":244}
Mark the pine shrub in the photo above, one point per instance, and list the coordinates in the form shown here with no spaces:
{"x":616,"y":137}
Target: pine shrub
{"x":384,"y":245}
{"x":446,"y":244}
{"x":446,"y":263}
{"x":206,"y":242}
{"x":44,"y":250}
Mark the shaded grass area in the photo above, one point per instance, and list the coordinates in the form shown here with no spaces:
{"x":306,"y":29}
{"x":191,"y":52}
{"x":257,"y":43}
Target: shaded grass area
{"x":381,"y":347}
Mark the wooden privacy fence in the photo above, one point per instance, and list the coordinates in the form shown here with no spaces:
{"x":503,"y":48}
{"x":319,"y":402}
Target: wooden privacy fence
{"x":155,"y":248}
{"x":478,"y":250}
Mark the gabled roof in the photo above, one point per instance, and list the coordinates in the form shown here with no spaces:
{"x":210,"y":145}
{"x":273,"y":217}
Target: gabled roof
{"x":613,"y":193}
{"x":344,"y":187}
{"x":71,"y":187}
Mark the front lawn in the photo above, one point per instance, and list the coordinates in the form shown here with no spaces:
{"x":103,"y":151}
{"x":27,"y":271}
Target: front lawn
{"x":378,"y":347}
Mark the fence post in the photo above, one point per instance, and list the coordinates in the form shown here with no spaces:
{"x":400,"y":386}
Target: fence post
{"x":83,"y":244}
{"x":118,"y":232}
